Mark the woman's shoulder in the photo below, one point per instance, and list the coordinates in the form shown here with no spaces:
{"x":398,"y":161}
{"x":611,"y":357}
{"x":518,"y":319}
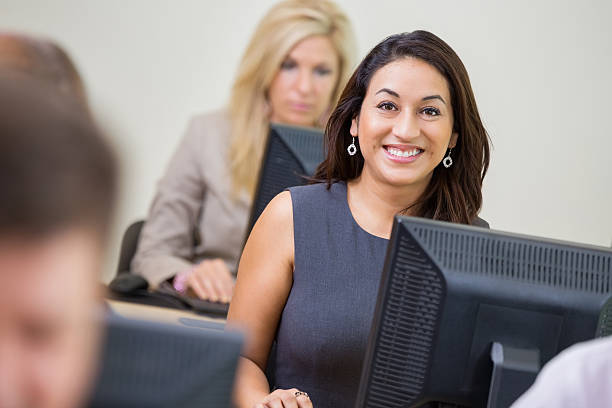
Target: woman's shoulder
{"x":277,"y":215}
{"x":209,"y":123}
{"x":318,"y":190}
{"x":207,"y":135}
{"x":312,"y":200}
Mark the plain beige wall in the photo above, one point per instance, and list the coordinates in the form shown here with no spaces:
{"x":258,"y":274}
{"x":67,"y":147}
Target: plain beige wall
{"x":540,"y":71}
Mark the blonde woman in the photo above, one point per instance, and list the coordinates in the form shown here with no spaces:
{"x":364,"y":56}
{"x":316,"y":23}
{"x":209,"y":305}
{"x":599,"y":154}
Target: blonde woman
{"x":292,"y":72}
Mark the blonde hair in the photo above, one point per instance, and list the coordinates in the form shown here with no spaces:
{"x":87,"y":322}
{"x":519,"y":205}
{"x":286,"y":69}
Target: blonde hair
{"x":285,"y":24}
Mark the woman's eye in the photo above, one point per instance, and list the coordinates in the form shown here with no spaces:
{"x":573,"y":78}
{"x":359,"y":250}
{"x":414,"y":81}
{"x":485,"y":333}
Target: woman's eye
{"x":288,"y":65}
{"x":322,"y":71}
{"x":387,"y":106}
{"x":431,"y":111}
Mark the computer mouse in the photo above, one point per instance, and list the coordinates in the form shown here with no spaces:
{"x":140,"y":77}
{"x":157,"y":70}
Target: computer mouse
{"x":127,"y":283}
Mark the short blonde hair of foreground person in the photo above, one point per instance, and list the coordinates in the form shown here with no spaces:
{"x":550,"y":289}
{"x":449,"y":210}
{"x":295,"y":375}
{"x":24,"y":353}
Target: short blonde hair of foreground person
{"x":57,"y":187}
{"x":285,"y":24}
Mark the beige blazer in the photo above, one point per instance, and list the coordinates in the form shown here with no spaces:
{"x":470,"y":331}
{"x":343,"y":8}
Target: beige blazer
{"x":193,"y":216}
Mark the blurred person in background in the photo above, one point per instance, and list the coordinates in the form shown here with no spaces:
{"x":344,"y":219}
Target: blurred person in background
{"x":57,"y":184}
{"x":43,"y":59}
{"x":292,"y":72}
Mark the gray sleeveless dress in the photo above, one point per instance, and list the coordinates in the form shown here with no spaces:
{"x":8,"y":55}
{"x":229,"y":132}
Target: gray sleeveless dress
{"x":324,"y":327}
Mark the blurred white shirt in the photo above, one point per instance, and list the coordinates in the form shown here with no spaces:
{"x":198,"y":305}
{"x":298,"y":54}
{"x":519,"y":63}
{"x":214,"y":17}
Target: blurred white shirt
{"x":580,"y":376}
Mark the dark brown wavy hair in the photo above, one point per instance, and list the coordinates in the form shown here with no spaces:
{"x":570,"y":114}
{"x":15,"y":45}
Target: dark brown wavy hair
{"x":453,"y":194}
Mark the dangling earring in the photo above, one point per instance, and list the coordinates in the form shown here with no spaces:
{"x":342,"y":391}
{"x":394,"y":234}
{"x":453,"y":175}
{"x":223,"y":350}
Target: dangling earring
{"x":352,"y":149}
{"x":448,"y":161}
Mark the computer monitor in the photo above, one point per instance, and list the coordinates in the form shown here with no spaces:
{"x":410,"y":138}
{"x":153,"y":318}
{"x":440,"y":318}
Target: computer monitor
{"x":292,"y":155}
{"x":468,"y":316}
{"x":149,"y":364}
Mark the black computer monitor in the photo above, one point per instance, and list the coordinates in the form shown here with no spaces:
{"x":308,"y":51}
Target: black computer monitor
{"x":148,"y":364}
{"x":468,"y":316}
{"x":292,"y":155}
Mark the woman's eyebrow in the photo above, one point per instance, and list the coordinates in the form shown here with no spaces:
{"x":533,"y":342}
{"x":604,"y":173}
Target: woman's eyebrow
{"x":393,"y":93}
{"x":389,"y":91}
{"x":427,"y":98}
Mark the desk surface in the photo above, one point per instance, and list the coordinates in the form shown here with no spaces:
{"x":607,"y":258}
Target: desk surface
{"x":161,"y":314}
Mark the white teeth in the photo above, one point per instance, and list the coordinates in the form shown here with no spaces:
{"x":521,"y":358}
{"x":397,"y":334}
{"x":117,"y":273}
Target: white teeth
{"x":404,"y":153}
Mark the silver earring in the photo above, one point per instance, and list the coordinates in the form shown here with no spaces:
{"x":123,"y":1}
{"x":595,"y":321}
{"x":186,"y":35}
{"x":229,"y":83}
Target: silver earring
{"x":448,"y":161}
{"x":352,"y":149}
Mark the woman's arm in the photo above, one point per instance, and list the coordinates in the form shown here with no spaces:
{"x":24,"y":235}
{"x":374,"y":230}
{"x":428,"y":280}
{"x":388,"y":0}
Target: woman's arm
{"x":166,"y":241}
{"x":265,"y":276}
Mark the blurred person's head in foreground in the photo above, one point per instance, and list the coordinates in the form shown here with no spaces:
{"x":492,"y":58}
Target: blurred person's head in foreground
{"x":57,"y":187}
{"x":43,"y":59}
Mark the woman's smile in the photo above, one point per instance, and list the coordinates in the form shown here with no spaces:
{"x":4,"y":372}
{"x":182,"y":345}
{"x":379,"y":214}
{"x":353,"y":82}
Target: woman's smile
{"x":403,"y":153}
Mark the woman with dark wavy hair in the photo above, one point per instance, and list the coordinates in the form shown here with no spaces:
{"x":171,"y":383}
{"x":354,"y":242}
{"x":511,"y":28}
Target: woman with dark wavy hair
{"x":454,"y":193}
{"x":406,"y":137}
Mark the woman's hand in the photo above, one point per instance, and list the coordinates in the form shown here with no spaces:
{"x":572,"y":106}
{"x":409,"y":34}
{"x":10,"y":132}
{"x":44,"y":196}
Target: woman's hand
{"x":292,"y":398}
{"x":211,"y":280}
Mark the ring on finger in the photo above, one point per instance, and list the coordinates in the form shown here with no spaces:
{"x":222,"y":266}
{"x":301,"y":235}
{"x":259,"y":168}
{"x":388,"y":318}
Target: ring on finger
{"x":298,"y":393}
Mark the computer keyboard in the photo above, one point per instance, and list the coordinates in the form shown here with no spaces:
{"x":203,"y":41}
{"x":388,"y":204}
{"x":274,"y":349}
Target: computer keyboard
{"x":197,"y":305}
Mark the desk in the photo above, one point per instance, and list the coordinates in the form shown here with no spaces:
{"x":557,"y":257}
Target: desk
{"x":165,"y":315}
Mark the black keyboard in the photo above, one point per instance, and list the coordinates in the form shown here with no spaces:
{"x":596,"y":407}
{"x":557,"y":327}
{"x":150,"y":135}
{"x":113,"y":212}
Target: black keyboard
{"x":196,"y":304}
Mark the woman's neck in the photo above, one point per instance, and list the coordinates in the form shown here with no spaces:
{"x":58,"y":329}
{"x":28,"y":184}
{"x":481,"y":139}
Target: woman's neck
{"x":375,"y":204}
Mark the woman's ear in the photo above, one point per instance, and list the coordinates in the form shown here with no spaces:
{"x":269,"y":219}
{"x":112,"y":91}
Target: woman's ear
{"x":355,"y":126}
{"x":453,"y":140}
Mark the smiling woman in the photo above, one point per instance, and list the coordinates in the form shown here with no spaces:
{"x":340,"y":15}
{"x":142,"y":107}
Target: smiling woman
{"x":412,"y":92}
{"x":404,"y":120}
{"x":310,"y":269}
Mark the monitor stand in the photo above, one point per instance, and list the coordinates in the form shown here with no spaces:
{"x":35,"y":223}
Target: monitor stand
{"x":514,"y":371}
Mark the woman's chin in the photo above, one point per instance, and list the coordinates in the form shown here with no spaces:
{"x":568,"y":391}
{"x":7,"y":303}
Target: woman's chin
{"x":296,"y":119}
{"x":404,"y":180}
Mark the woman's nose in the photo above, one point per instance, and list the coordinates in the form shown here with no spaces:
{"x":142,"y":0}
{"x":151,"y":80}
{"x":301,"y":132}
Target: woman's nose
{"x":406,"y":126}
{"x":304,"y":82}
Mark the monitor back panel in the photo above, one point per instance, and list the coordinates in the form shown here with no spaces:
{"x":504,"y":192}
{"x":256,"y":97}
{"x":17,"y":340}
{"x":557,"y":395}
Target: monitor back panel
{"x":448,"y":291}
{"x":146,"y":364}
{"x":292,"y":154}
